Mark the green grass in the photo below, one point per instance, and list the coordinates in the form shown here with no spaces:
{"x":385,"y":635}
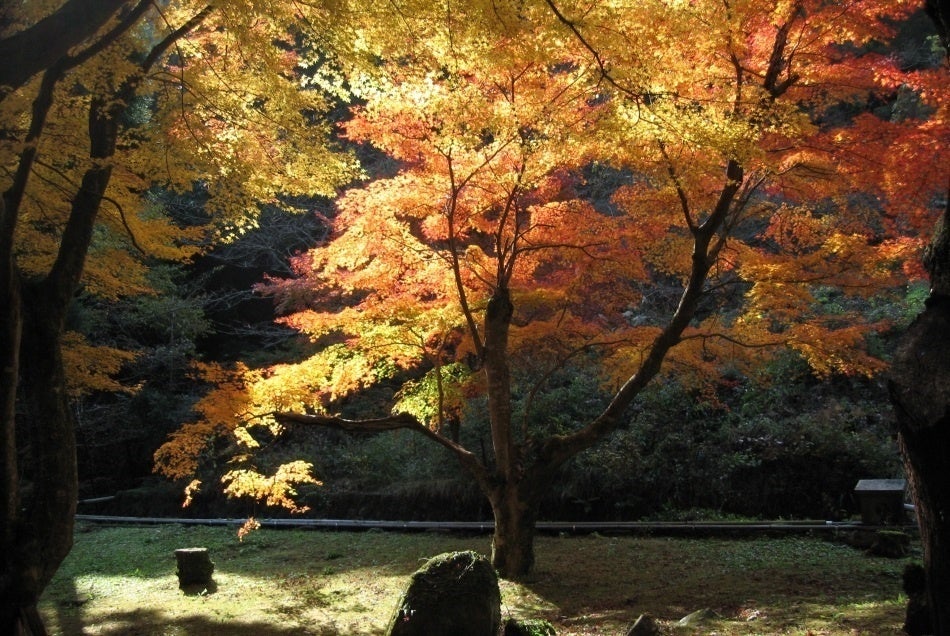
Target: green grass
{"x":122,"y":581}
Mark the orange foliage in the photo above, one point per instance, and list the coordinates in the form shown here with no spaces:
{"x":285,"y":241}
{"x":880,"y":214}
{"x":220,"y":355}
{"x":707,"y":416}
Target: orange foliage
{"x":228,"y":414}
{"x":580,"y":177}
{"x":220,"y":414}
{"x":92,"y":368}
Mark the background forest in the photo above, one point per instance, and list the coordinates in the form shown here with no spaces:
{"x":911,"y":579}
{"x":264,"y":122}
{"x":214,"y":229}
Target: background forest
{"x":787,"y":444}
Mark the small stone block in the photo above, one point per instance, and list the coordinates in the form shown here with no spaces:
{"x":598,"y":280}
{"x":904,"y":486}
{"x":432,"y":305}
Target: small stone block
{"x":194,"y":566}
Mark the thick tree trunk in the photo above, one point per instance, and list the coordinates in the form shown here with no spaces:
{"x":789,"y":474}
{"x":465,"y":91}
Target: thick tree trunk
{"x":498,"y":379}
{"x":41,"y":528}
{"x":10,"y":330}
{"x":39,"y":533}
{"x":51,"y":436}
{"x":513,"y":540}
{"x":37,"y":529}
{"x":920,"y":391}
{"x":43,"y":532}
{"x":515,"y":513}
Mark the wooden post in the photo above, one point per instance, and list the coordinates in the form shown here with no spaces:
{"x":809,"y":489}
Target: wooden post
{"x":194,"y":566}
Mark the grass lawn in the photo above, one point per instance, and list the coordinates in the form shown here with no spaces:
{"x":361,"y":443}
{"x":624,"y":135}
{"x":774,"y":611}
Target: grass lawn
{"x":122,"y":581}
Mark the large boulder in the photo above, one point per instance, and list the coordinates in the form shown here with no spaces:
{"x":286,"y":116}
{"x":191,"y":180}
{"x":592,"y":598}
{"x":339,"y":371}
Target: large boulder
{"x":453,"y":594}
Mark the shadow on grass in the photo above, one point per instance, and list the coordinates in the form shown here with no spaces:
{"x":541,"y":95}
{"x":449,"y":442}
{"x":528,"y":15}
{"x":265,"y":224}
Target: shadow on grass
{"x":198,"y":589}
{"x":122,"y":581}
{"x":146,"y":622}
{"x":67,"y":614}
{"x":296,"y":579}
{"x":776,"y":585}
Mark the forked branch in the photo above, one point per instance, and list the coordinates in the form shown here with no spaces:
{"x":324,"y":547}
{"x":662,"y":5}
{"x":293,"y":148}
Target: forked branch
{"x":391,"y":423}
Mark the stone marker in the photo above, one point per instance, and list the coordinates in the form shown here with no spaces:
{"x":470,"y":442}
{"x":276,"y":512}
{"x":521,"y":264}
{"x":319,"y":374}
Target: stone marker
{"x":645,"y":626}
{"x":453,"y":594}
{"x":194,"y":566}
{"x":697,"y":617}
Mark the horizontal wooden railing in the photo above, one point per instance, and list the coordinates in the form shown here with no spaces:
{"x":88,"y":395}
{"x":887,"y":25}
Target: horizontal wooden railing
{"x":579,"y":527}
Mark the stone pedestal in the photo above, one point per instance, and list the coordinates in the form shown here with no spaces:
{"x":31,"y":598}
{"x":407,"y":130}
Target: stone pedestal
{"x":194,"y":566}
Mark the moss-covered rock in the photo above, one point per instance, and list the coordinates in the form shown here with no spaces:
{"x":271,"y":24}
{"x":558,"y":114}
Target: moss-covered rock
{"x":453,"y":594}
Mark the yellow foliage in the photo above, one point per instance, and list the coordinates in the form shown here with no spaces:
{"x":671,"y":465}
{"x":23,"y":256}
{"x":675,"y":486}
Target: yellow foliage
{"x":222,"y":108}
{"x":834,"y":350}
{"x":273,"y":490}
{"x":248,"y":527}
{"x":220,"y":412}
{"x":90,"y":368}
{"x":190,"y":490}
{"x":180,"y":456}
{"x":478,"y":118}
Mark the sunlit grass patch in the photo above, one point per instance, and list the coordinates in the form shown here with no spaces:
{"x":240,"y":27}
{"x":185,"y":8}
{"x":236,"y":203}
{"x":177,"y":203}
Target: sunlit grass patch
{"x":122,"y":581}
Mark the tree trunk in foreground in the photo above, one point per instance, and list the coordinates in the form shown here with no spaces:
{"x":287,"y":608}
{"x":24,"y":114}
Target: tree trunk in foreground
{"x":515,"y":509}
{"x":43,"y":532}
{"x":920,"y":391}
{"x":37,"y":529}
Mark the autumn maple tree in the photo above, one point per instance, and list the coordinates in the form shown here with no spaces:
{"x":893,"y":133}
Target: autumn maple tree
{"x":103,"y":105}
{"x":555,"y":163}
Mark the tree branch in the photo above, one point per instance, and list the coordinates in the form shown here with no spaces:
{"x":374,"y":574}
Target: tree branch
{"x":40,"y":46}
{"x":13,"y":197}
{"x":391,"y":423}
{"x":103,"y":125}
{"x":680,"y":192}
{"x":601,"y":63}
{"x":558,"y":448}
